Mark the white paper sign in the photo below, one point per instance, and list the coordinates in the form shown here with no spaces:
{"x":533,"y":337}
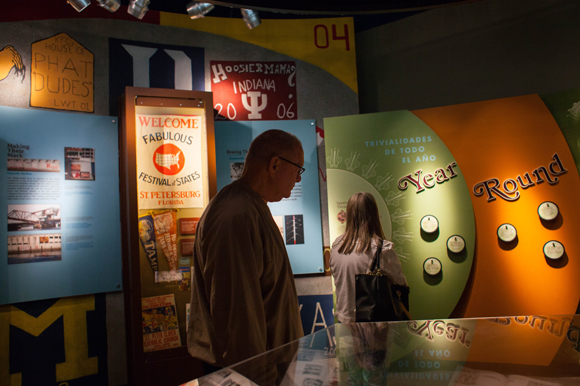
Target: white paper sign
{"x":169,"y":163}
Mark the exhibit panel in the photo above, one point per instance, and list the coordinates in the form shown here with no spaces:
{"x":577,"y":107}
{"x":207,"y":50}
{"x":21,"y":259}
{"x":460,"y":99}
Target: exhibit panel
{"x":167,"y":149}
{"x":522,"y":350}
{"x":62,"y":234}
{"x":517,"y":160}
{"x":485,"y":193}
{"x":422,"y":197}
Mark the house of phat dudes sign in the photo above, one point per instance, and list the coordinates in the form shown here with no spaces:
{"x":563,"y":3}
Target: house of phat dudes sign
{"x":245,"y":91}
{"x":169,"y":164}
{"x":62,"y":74}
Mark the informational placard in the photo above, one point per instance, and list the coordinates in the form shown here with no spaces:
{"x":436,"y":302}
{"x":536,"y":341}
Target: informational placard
{"x":187,"y":246}
{"x":297,"y":216}
{"x":188,"y":226}
{"x":62,"y":236}
{"x":169,"y":161}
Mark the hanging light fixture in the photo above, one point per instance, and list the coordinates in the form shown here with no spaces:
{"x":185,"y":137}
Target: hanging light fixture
{"x":79,"y":5}
{"x":197,"y":10}
{"x":138,"y":8}
{"x":251,"y":17}
{"x":110,"y":5}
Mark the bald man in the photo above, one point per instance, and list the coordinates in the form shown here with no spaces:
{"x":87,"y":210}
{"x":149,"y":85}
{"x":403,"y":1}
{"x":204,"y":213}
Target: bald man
{"x":243,"y":297}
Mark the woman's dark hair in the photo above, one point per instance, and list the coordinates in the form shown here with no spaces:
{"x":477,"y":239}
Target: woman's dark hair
{"x":362,"y":224}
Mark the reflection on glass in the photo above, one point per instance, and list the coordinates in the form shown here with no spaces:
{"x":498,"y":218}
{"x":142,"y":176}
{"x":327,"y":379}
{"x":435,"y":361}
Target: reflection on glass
{"x":529,"y":350}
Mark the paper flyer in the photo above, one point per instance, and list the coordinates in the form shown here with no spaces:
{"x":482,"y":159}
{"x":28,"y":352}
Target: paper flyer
{"x":184,"y":283}
{"x":160,"y":327}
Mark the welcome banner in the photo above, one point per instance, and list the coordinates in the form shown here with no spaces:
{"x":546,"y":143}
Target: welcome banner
{"x":169,"y":166}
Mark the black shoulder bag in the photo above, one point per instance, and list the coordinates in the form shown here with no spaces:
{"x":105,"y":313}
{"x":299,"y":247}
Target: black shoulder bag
{"x":378,"y":299}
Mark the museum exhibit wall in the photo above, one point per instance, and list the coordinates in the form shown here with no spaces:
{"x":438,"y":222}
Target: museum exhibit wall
{"x":57,"y":61}
{"x":443,"y":57}
{"x":474,"y":75}
{"x":470,"y":226}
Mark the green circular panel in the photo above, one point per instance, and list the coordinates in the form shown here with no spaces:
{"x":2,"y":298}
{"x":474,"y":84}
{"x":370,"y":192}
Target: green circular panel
{"x":373,"y":152}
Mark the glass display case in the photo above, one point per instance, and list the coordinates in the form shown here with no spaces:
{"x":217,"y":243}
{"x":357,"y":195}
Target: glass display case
{"x":516,"y":351}
{"x":167,"y":165}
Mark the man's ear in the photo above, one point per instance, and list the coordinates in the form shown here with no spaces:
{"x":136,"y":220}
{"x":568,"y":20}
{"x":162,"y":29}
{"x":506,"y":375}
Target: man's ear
{"x":273,"y":166}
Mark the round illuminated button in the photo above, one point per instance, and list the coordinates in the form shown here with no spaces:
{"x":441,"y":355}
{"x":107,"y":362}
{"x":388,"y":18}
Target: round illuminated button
{"x":456,"y":244}
{"x":507,"y":232}
{"x":548,"y":210}
{"x":554,"y":250}
{"x":429,"y":224}
{"x":432,"y":266}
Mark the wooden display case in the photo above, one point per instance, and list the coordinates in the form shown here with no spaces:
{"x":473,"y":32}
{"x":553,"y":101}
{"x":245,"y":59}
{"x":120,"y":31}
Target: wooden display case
{"x":165,"y":135}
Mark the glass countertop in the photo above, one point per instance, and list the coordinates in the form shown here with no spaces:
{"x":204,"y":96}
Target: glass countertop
{"x":513,"y":351}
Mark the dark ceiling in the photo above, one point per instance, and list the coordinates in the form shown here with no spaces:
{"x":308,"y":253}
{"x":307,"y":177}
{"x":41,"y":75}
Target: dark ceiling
{"x":338,"y":7}
{"x":322,"y":7}
{"x":366,"y":13}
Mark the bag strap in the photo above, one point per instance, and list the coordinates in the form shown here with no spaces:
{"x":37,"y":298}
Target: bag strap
{"x":376,"y":265}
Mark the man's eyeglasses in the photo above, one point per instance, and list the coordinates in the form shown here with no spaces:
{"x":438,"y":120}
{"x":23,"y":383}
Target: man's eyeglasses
{"x":302,"y":170}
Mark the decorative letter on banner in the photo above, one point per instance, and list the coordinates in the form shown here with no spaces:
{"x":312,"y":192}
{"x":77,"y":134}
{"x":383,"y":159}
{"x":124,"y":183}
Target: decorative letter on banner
{"x":169,"y":164}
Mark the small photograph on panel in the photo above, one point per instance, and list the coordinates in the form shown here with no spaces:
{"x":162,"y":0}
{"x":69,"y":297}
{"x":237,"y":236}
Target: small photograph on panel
{"x":33,"y":165}
{"x":34,"y":248}
{"x":33,"y":217}
{"x":236,"y":169}
{"x":79,"y":163}
{"x":294,"y":225}
{"x":280,"y":222}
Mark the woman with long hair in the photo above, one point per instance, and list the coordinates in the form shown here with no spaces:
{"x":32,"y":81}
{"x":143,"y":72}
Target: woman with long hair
{"x":353,"y":252}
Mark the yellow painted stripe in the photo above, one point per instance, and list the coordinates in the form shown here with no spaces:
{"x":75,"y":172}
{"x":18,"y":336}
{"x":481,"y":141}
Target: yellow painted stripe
{"x":321,"y":42}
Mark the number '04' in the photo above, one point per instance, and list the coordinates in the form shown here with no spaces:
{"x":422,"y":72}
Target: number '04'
{"x":322,"y":39}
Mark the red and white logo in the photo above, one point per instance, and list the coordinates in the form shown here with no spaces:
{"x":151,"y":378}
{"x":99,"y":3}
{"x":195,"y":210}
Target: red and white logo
{"x":168,"y":159}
